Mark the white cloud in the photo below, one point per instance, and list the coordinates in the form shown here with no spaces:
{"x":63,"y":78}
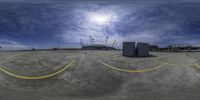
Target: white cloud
{"x":133,"y":23}
{"x":12,"y":45}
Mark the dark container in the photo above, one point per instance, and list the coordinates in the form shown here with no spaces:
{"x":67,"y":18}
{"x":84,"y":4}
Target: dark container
{"x":142,"y":49}
{"x":128,"y":49}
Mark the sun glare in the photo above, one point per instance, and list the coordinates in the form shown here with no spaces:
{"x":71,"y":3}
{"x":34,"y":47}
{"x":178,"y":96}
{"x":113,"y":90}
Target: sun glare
{"x":99,"y":19}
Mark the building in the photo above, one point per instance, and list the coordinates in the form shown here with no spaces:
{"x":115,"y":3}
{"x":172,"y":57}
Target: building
{"x":180,"y":48}
{"x":153,"y":48}
{"x":97,"y":47}
{"x":94,"y":46}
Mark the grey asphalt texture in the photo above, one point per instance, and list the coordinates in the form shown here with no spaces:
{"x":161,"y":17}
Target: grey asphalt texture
{"x":88,"y":79}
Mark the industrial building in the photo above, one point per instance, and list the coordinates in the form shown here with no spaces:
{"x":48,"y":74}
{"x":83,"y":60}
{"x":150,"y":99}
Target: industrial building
{"x":153,"y":47}
{"x":93,"y":46}
{"x":97,"y":47}
{"x":180,"y":48}
{"x":131,"y":49}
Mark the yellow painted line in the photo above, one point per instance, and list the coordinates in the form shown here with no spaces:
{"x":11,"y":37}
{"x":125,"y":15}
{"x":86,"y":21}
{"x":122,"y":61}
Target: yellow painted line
{"x":193,"y":69}
{"x":198,"y":66}
{"x":180,"y":65}
{"x":36,"y":77}
{"x":133,"y":71}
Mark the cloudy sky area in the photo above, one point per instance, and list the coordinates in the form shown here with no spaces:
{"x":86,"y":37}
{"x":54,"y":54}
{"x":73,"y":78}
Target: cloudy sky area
{"x":42,"y":24}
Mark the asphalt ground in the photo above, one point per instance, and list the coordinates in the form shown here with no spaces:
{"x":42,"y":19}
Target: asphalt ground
{"x":99,"y":75}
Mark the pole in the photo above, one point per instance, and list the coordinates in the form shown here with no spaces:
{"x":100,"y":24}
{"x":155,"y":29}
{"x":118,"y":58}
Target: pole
{"x":113,"y":43}
{"x":106,"y":40}
{"x":91,"y":39}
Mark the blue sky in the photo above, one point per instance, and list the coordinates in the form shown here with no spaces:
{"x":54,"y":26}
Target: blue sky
{"x":41,"y":24}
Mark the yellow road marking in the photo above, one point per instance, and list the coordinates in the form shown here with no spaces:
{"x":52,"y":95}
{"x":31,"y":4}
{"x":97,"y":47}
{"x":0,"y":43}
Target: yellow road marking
{"x":198,"y":66}
{"x":36,"y":77}
{"x":133,"y":71}
{"x":193,"y":69}
{"x":146,"y":70}
{"x":179,"y":65}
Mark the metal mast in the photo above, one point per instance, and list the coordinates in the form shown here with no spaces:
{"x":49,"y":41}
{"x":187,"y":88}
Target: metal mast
{"x":91,"y":39}
{"x":106,"y":40}
{"x":58,"y":43}
{"x":113,"y":43}
{"x":81,"y":43}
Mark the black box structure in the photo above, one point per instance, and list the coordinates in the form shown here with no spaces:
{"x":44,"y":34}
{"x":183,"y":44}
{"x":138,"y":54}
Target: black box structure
{"x":128,"y":49}
{"x":142,"y":49}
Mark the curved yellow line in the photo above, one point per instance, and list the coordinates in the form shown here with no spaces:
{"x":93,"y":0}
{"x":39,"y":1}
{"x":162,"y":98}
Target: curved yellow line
{"x":133,"y":71}
{"x":36,"y":77}
{"x":198,"y":66}
{"x":179,"y":65}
